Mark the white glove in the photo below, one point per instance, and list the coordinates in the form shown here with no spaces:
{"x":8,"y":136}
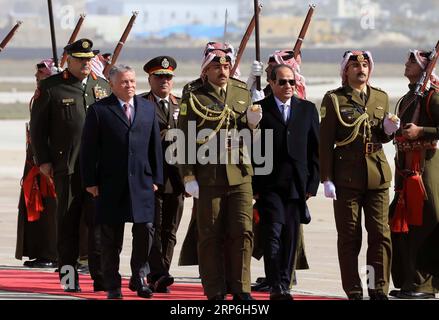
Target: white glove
{"x":192,"y":188}
{"x":391,"y":124}
{"x":256,"y":70}
{"x":329,"y":190}
{"x":254,"y":115}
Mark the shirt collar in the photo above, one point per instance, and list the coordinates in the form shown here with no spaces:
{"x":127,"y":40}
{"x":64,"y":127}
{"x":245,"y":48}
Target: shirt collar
{"x":158,"y":99}
{"x":279,"y":103}
{"x":217,"y":88}
{"x":131,"y":102}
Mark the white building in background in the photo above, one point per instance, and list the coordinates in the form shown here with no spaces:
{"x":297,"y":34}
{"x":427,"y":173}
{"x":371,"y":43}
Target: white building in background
{"x":155,"y":15}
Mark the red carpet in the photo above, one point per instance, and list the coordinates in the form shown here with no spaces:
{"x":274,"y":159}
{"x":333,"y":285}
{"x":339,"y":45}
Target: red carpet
{"x":48,"y":283}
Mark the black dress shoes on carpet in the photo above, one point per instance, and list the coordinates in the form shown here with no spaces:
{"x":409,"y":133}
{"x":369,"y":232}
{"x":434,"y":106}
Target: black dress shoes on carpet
{"x":279,"y":293}
{"x":114,"y":294}
{"x":261,"y":287}
{"x":161,"y":284}
{"x":141,"y":287}
{"x":244,"y":296}
{"x":40,"y":263}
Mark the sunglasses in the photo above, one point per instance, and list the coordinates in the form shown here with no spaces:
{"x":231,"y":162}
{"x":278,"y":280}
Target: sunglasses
{"x":283,"y":82}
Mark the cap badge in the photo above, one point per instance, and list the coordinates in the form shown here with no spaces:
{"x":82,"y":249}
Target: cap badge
{"x":165,"y":63}
{"x":360,"y":58}
{"x":223,"y":60}
{"x":85,"y":44}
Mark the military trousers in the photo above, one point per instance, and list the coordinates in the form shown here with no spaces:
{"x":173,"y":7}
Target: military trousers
{"x":225,"y":238}
{"x":73,"y":202}
{"x":168,"y":213}
{"x":347,"y":211}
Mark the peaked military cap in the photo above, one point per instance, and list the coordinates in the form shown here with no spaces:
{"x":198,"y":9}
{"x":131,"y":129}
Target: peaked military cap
{"x":161,"y":65}
{"x":81,"y":48}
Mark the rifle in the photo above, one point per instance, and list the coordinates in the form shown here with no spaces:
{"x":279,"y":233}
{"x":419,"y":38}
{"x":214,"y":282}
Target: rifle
{"x":52,"y":34}
{"x":225,"y":27}
{"x":425,"y":78}
{"x":9,"y":35}
{"x":72,"y":38}
{"x":120,"y":44}
{"x":244,"y":41}
{"x":303,"y":31}
{"x":257,"y":43}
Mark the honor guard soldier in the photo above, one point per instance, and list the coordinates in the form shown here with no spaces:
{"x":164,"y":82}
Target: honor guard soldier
{"x":217,"y":104}
{"x":415,"y":209}
{"x":56,"y":127}
{"x":356,"y":174}
{"x":169,"y":199}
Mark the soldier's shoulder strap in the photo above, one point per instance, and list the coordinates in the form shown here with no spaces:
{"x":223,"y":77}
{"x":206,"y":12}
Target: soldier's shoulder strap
{"x":192,"y":86}
{"x":238,"y":83}
{"x":378,"y":89}
{"x":174,"y":99}
{"x":51,"y":81}
{"x":339,"y":89}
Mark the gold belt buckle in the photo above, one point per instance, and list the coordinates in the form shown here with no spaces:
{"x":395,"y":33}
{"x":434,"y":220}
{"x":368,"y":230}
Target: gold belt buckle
{"x":369,"y":147}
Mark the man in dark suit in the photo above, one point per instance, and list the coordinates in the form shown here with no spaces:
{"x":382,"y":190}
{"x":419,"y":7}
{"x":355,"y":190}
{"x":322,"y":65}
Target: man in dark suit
{"x":282,"y":194}
{"x":121,"y":158}
{"x":169,"y":198}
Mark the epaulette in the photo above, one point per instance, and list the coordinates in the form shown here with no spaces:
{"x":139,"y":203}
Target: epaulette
{"x":379,"y":89}
{"x":174,"y":99}
{"x":334,"y":90}
{"x":238,"y":83}
{"x":193,"y":85}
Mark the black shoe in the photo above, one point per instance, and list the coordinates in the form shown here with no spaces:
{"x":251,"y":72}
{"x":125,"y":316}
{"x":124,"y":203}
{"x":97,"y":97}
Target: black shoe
{"x":40,"y":263}
{"x":114,"y":294}
{"x":82,"y":268}
{"x":261,"y":287}
{"x":355,"y":296}
{"x":279,"y":293}
{"x":281,"y":296}
{"x":393,"y":293}
{"x":378,"y":295}
{"x":144,"y":292}
{"x":98,"y":287}
{"x":414,"y":295}
{"x":162,"y":284}
{"x":242,"y":296}
{"x":218,"y":297}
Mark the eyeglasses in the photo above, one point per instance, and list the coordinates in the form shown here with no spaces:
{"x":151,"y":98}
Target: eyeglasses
{"x":283,"y":82}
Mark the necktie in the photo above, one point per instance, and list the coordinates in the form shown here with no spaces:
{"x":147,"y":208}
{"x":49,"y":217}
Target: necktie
{"x":363,"y":97}
{"x":222,"y":93}
{"x":164,"y":108}
{"x":127,"y":110}
{"x":284,"y":112}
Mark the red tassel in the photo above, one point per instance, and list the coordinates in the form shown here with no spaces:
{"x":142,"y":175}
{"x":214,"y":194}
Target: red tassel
{"x":256,"y":217}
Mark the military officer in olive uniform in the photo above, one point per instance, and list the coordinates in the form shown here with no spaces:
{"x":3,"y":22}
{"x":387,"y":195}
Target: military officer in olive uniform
{"x":56,"y":126}
{"x":356,"y":173}
{"x":223,"y":188}
{"x":169,"y":198}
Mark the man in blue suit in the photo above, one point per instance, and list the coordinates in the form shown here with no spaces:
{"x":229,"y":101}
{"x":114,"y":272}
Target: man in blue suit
{"x":121,"y":158}
{"x":282,"y":194}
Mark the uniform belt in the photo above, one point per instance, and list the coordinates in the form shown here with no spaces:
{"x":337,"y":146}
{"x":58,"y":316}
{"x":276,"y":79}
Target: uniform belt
{"x":371,"y":147}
